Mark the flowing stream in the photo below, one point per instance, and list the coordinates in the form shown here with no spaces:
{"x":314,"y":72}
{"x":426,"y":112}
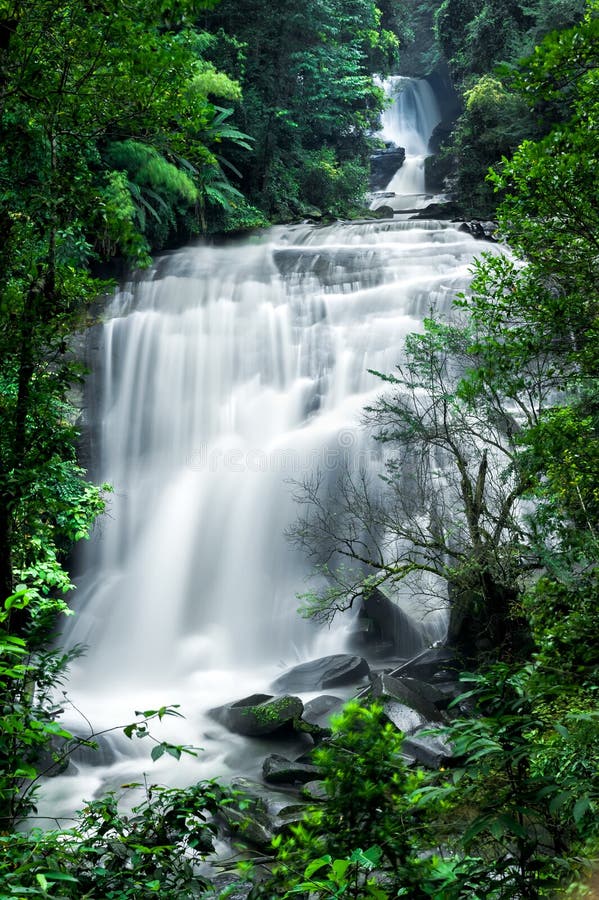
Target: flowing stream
{"x":220,"y":375}
{"x":409,"y":122}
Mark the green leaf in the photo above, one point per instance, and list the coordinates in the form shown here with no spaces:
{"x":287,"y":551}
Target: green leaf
{"x":581,"y":807}
{"x":317,"y":864}
{"x":339,"y":868}
{"x":61,"y":876}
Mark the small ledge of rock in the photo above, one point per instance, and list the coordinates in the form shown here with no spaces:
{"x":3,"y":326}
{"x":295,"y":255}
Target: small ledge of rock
{"x":403,"y":717}
{"x":280,"y":770}
{"x":382,"y":212}
{"x":319,"y":710}
{"x":430,"y":751}
{"x":428,"y":664}
{"x":482,"y":231}
{"x":408,"y":692}
{"x":322,"y":673}
{"x":314,"y":790}
{"x":248,"y":827}
{"x":259,"y":714}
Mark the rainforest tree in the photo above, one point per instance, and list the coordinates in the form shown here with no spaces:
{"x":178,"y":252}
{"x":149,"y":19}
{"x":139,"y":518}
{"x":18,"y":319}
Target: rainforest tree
{"x":309,"y":97}
{"x":108,"y":127}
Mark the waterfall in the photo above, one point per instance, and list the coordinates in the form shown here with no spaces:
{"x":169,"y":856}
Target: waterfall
{"x":408,"y":122}
{"x":220,"y":374}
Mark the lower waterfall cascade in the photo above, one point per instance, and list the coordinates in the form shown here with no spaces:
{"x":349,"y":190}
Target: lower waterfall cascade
{"x":220,"y":375}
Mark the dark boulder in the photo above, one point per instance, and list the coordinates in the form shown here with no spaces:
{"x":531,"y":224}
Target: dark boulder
{"x":425,"y":665}
{"x":383,"y":166}
{"x":482,"y":231}
{"x":438,"y":695}
{"x":259,"y":714}
{"x":403,"y":717}
{"x":290,"y":815}
{"x":232,"y":886}
{"x":382,"y":212}
{"x":248,"y":826}
{"x":247,"y":817}
{"x":408,"y":692}
{"x":429,"y":750}
{"x":320,"y":710}
{"x":388,"y":622}
{"x":280,"y":770}
{"x":322,"y":673}
{"x":446,"y":210}
{"x":315,"y":790}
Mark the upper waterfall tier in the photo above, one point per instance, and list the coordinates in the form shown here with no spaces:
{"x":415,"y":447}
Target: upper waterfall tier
{"x":409,"y":122}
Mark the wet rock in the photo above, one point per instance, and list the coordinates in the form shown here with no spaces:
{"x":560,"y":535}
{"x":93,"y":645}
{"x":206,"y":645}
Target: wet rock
{"x":51,"y":764}
{"x":388,"y":622}
{"x":383,"y":166}
{"x":398,"y":689}
{"x":428,"y":663}
{"x":259,"y":714}
{"x":444,"y":210}
{"x":290,"y":815}
{"x":382,"y":212}
{"x":231,"y":886}
{"x":320,"y":710}
{"x":325,"y":672}
{"x":439,"y":695}
{"x":257,"y":794}
{"x":430,"y":751}
{"x":248,"y":826}
{"x":248,"y":817}
{"x":280,"y":770}
{"x":314,"y":790}
{"x":450,"y":690}
{"x":482,"y":231}
{"x":403,"y":717}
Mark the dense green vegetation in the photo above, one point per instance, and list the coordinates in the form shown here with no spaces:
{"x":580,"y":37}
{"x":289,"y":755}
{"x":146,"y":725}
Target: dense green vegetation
{"x":512,"y":380}
{"x":308,"y":97}
{"x":125,"y":127}
{"x":483,"y":43}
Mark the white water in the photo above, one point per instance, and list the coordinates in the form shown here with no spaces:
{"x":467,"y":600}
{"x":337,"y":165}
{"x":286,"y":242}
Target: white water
{"x":222,"y":373}
{"x":409,"y":123}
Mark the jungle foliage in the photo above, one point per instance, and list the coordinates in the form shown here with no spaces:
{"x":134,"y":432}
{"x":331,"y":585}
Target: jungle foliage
{"x":127,"y":126}
{"x":506,"y":395}
{"x":309,"y":99}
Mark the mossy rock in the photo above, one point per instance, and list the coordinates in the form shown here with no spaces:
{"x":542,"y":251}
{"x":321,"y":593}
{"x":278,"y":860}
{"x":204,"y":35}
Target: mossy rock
{"x":259,"y":714}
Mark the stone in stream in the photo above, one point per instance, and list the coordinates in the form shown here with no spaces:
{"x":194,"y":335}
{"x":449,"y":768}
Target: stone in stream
{"x":229,"y":885}
{"x":382,"y":212}
{"x":383,"y":166}
{"x":322,"y":673}
{"x":280,"y":770}
{"x":259,"y":714}
{"x":248,"y":826}
{"x":290,"y":815}
{"x":319,"y":710}
{"x":387,"y":621}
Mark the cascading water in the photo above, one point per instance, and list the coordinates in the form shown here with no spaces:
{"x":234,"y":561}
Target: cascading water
{"x":220,"y":374}
{"x":409,"y":123}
